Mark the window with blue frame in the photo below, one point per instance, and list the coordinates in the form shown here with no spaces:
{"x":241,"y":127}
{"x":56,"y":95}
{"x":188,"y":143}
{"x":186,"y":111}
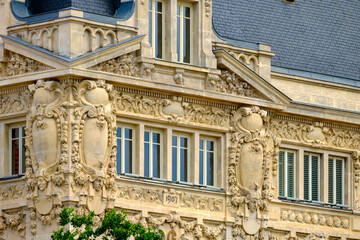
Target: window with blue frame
{"x":125,"y":150}
{"x":152,"y":153}
{"x":157,"y":27}
{"x":207,"y":161}
{"x":180,"y":158}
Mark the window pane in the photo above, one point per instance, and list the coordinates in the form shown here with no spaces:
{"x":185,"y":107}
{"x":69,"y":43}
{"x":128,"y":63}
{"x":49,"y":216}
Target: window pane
{"x":186,"y":36}
{"x":150,"y":4}
{"x":174,"y":163}
{"x":210,"y":169}
{"x":187,"y":12}
{"x":146,"y":159}
{"x":201,"y":165}
{"x":201,"y":144}
{"x":158,"y":37}
{"x":156,"y":137}
{"x":281,"y":174}
{"x":306,"y":177}
{"x":128,"y":156}
{"x":210,"y":145}
{"x":290,"y":166}
{"x":183,"y":142}
{"x":174,"y":141}
{"x":183,"y":165}
{"x":23,"y":156}
{"x":331,"y":181}
{"x":118,"y":132}
{"x":158,"y":6}
{"x":178,"y":37}
{"x":128,"y":133}
{"x":147,"y":137}
{"x":15,"y":156}
{"x":156,"y":161}
{"x":150,"y":27}
{"x":118,"y":156}
{"x":315,"y":178}
{"x":15,"y":133}
{"x":339,"y":181}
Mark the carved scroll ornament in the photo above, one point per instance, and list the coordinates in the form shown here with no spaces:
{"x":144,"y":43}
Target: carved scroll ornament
{"x":249,"y":172}
{"x":58,"y":126}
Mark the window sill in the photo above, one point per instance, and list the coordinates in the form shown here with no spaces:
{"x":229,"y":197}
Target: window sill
{"x":170,"y":183}
{"x":11,"y":177}
{"x":315,"y":203}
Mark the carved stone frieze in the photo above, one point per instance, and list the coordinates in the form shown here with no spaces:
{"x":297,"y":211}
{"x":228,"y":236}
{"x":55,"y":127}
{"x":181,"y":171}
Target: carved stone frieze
{"x":315,"y":134}
{"x":230,"y":83}
{"x":11,"y":193}
{"x":19,"y":64}
{"x":14,"y":221}
{"x":14,"y":103}
{"x":123,"y":65}
{"x":172,"y":110}
{"x":174,"y":226}
{"x":315,"y":218}
{"x":171,"y":198}
{"x":146,"y":70}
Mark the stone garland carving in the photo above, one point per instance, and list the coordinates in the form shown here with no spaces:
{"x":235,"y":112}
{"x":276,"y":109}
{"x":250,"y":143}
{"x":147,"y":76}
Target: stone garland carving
{"x":174,"y":226}
{"x":230,"y":83}
{"x":61,"y":118}
{"x":19,"y":64}
{"x":11,"y":193}
{"x":315,"y":218}
{"x":123,"y":65}
{"x":14,"y":103}
{"x":249,"y":181}
{"x":207,"y":4}
{"x":14,"y":221}
{"x":172,"y":110}
{"x":315,"y":134}
{"x":171,"y":198}
{"x":356,"y":162}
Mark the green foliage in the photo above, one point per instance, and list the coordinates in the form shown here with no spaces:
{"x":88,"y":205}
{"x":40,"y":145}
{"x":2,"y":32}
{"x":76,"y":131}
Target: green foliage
{"x":113,"y":227}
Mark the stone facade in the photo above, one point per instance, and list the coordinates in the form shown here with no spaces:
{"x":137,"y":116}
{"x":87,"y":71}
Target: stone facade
{"x":71,"y":81}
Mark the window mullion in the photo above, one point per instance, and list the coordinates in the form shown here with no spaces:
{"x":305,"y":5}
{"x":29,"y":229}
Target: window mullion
{"x":285,"y":174}
{"x":150,"y":154}
{"x":178,"y":165}
{"x":122,"y":157}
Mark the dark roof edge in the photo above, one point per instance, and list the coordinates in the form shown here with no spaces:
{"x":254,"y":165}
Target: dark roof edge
{"x":317,"y":76}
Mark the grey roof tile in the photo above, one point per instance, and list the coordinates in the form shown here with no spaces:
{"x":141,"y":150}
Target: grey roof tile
{"x":312,"y":35}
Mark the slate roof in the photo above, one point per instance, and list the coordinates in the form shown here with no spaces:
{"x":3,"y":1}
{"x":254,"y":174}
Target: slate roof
{"x":320,"y":36}
{"x":104,"y":7}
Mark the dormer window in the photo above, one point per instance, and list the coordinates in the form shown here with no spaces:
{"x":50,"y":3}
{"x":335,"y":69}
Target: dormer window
{"x":184,"y":33}
{"x":157,"y":27}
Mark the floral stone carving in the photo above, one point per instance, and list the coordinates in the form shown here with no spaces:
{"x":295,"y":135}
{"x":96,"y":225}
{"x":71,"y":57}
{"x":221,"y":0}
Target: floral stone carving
{"x":13,"y":103}
{"x":19,"y":64}
{"x":123,"y":65}
{"x":230,"y":83}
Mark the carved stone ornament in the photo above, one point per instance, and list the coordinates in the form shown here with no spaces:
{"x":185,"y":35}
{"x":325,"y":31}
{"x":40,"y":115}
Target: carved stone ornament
{"x":315,"y":218}
{"x":19,"y":64}
{"x":14,"y":103}
{"x":230,"y":83}
{"x":315,"y":134}
{"x":58,"y":126}
{"x":123,"y":65}
{"x":356,"y":162}
{"x":207,"y":4}
{"x":173,"y":110}
{"x":146,"y":70}
{"x":249,"y":172}
{"x":14,"y":221}
{"x":176,"y":227}
{"x":11,"y":193}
